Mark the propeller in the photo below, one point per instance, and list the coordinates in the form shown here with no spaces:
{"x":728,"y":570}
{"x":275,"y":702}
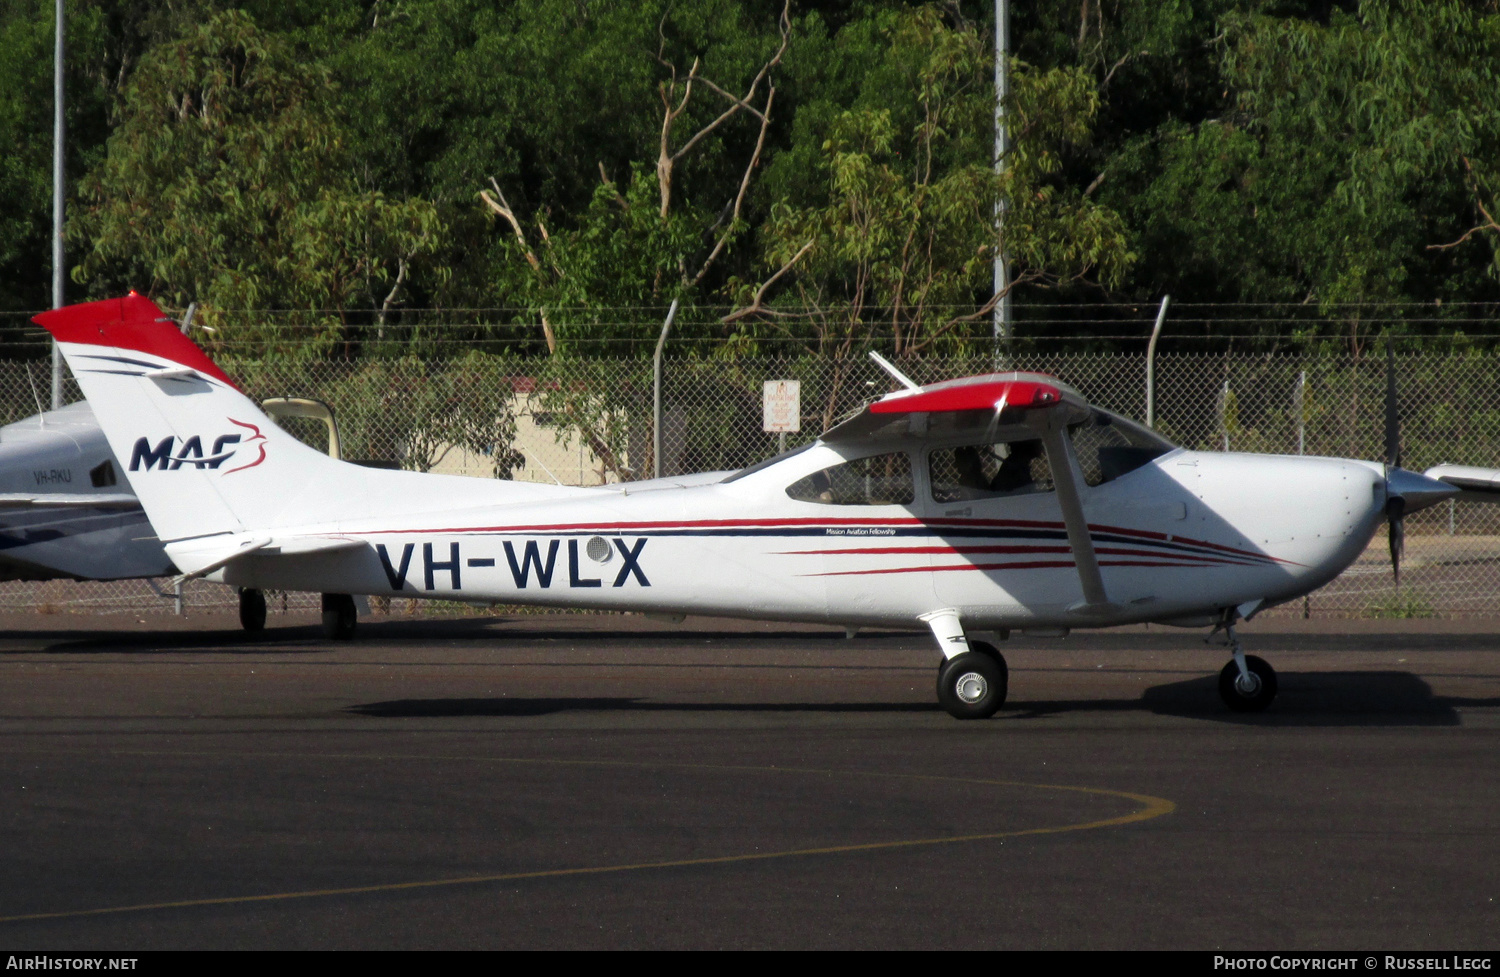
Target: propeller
{"x":1405,"y":492}
{"x":1395,"y":504}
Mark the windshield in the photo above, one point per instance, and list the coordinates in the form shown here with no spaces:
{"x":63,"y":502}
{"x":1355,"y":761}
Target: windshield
{"x":1109,"y":446}
{"x":761,"y":465}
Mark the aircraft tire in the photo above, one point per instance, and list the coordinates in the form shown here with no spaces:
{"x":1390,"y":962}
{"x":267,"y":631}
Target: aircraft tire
{"x":1256,"y":701}
{"x":252,"y":609}
{"x":973,"y":685}
{"x":339,"y":616}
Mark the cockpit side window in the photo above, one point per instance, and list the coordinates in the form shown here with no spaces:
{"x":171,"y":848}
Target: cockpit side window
{"x":987,"y":471}
{"x":876,"y":480}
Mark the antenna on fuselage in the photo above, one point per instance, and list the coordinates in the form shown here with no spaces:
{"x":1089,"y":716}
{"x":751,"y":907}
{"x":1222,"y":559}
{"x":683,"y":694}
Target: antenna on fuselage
{"x":41,"y":412}
{"x":890,"y":368}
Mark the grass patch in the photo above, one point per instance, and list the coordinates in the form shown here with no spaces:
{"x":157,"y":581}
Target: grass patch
{"x":1402,"y":603}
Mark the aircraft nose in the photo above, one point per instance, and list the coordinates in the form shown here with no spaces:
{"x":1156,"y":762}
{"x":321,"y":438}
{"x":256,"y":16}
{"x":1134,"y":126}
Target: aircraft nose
{"x":1417,"y":491}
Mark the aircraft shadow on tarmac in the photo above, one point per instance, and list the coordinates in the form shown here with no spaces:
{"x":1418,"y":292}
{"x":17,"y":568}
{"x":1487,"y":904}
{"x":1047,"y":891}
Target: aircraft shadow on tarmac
{"x":1384,"y":698}
{"x":309,"y":639}
{"x":519,"y":706}
{"x":289,"y":641}
{"x":1306,"y":699}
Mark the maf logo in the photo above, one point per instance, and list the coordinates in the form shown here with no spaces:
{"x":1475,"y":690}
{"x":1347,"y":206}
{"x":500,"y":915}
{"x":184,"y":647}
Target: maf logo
{"x":144,"y":457}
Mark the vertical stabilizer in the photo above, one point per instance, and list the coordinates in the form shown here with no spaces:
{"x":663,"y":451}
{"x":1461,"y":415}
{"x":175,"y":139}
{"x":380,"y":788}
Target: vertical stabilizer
{"x":201,"y":456}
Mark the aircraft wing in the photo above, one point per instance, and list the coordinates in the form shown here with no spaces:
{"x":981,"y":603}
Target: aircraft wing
{"x":956,"y":406}
{"x":97,"y":500}
{"x":1474,"y":484}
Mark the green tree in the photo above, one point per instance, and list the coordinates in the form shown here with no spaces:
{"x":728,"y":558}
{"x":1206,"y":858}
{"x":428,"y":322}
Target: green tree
{"x":658,"y":231}
{"x":1352,"y":148}
{"x":26,"y":53}
{"x":226,"y":183}
{"x":901,"y":248}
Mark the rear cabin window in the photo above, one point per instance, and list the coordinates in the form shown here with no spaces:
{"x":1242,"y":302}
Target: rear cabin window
{"x":988,"y":471}
{"x":877,"y":480}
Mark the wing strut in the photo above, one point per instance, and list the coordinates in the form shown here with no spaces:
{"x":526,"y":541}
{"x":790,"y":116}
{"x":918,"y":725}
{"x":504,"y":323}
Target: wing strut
{"x":1068,"y":478}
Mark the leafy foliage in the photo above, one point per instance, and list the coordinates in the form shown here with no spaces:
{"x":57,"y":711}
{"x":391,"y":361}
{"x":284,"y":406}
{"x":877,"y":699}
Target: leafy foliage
{"x":225,"y":184}
{"x":903,"y":245}
{"x":328,"y":157}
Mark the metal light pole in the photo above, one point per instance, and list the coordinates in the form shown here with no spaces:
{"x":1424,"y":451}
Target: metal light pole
{"x":1002,"y":313}
{"x":57,"y":198}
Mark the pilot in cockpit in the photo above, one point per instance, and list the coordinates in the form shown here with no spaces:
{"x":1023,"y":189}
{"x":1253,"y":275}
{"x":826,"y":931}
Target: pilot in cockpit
{"x":1015,"y":471}
{"x":970,"y":469}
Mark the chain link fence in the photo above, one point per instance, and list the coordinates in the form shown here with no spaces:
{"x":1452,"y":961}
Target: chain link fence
{"x":589,"y":421}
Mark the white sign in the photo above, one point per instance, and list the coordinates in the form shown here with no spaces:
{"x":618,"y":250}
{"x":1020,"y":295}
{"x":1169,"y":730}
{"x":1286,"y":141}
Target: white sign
{"x":782,"y":406}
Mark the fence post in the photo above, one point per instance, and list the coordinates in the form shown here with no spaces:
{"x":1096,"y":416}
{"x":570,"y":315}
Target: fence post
{"x":1161,"y":316}
{"x":1224,"y":412}
{"x":1300,"y":400}
{"x":656,"y":399}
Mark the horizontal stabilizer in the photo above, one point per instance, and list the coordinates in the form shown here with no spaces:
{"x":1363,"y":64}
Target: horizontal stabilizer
{"x":204,"y":556}
{"x":303,"y":545}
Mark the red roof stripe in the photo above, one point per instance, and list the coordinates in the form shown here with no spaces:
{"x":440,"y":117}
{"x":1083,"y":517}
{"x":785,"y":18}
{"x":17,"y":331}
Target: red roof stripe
{"x":989,"y":395}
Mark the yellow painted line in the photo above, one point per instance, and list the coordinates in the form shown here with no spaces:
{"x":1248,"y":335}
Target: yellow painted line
{"x":1151,"y":807}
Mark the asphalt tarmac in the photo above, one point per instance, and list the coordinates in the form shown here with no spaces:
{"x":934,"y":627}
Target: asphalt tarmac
{"x":593,"y":782}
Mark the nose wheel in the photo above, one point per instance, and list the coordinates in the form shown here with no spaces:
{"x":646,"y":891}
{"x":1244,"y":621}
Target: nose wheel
{"x":1248,"y":693}
{"x":973,"y":685}
{"x":1247,"y":683}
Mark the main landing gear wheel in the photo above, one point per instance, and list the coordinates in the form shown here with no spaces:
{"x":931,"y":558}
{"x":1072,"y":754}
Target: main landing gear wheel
{"x":339,"y":616}
{"x":252,"y":609}
{"x":1252,"y":695}
{"x":973,"y":685}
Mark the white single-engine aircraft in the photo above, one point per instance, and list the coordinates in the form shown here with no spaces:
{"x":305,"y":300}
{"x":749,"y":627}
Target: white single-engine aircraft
{"x":63,"y":511}
{"x":976,"y":505}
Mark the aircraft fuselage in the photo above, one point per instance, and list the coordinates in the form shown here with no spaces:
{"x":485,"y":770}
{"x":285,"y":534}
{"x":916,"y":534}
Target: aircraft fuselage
{"x":1185,"y":535}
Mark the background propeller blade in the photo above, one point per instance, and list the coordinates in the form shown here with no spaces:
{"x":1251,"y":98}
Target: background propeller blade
{"x":1392,"y":413}
{"x":1395,"y":511}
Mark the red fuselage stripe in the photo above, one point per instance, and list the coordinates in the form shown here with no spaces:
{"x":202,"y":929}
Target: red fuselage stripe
{"x":1020,"y":565}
